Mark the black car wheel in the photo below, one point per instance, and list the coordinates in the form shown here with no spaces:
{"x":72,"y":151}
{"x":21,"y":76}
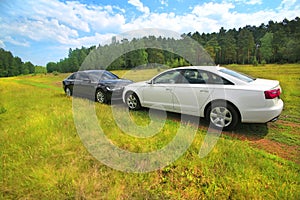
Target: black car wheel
{"x":101,"y":97}
{"x":222,"y":115}
{"x":68,"y":91}
{"x":132,"y":101}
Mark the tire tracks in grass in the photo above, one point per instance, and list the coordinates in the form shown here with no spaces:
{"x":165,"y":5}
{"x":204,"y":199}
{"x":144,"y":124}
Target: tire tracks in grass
{"x":285,"y":151}
{"x":37,"y":84}
{"x":255,"y":135}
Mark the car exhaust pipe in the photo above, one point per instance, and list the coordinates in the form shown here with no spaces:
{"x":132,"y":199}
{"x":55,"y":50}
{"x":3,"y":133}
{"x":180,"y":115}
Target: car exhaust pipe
{"x":274,"y":119}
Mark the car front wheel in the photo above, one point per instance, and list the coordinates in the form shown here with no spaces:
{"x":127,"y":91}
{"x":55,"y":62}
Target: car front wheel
{"x":222,"y":115}
{"x":101,"y":97}
{"x":132,"y":101}
{"x":68,"y":92}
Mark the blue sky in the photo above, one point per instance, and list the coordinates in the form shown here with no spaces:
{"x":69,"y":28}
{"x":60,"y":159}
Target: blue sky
{"x":41,"y":31}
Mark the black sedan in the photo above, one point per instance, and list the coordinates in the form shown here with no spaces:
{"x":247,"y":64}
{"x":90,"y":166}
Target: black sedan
{"x":99,"y":85}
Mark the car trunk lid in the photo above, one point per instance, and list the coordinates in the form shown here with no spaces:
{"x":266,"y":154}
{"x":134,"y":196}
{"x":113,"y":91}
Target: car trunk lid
{"x":266,"y":84}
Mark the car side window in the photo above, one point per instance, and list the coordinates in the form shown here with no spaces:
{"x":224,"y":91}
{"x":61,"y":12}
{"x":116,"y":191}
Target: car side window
{"x":81,"y":76}
{"x":192,"y":76}
{"x":211,"y":78}
{"x":72,"y":76}
{"x":169,"y":77}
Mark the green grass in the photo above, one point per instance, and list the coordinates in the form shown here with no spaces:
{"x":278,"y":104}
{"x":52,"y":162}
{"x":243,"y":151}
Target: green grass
{"x":42,"y":156}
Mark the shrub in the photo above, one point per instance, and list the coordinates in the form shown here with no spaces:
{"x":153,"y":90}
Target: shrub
{"x":55,"y":73}
{"x":2,"y":110}
{"x":254,"y":62}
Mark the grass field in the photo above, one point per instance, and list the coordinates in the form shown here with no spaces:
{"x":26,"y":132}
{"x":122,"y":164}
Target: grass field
{"x":42,"y":156}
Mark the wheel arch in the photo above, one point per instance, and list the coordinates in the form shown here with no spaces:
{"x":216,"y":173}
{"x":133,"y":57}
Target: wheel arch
{"x":100,"y":87}
{"x":131,"y":103}
{"x":132,"y":91}
{"x":227,"y":102}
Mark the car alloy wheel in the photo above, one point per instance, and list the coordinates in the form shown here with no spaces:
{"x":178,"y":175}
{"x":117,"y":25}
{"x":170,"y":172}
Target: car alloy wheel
{"x":132,"y":101}
{"x":100,"y":96}
{"x":223,"y":115}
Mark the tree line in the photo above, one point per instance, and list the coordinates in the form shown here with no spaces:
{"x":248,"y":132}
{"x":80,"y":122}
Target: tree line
{"x":12,"y":65}
{"x":268,"y":43}
{"x":72,"y":62}
{"x":147,"y":52}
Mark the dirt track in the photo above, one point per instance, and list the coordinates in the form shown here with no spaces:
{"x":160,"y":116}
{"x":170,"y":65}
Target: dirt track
{"x":285,"y":151}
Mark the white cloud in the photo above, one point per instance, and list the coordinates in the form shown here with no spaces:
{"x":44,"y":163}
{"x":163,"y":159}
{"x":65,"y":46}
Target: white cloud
{"x":90,"y":40}
{"x":208,"y":17}
{"x":102,"y":21}
{"x":248,"y":2}
{"x":11,"y":40}
{"x":170,"y":21}
{"x":164,"y":2}
{"x":79,"y":16}
{"x":212,"y":9}
{"x":38,"y":30}
{"x":139,"y":6}
{"x":66,"y":13}
{"x":253,"y":2}
{"x":2,"y":45}
{"x":56,"y":21}
{"x":288,"y":4}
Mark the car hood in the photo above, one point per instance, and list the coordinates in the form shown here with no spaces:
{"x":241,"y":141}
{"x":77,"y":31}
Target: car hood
{"x":138,"y":84}
{"x":116,"y":82}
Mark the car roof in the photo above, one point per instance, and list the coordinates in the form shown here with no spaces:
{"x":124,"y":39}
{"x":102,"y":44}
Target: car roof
{"x":93,"y":70}
{"x":206,"y":68}
{"x":200,"y":67}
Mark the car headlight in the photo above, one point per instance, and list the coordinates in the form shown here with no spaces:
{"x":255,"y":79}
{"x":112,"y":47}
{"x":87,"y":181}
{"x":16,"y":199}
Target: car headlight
{"x":112,"y":89}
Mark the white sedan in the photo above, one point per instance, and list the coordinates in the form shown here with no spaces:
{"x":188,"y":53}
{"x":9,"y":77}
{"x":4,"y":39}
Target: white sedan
{"x":223,"y":96}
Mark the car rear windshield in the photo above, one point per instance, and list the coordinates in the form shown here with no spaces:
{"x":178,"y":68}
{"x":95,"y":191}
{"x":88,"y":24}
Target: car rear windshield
{"x":238,"y":75}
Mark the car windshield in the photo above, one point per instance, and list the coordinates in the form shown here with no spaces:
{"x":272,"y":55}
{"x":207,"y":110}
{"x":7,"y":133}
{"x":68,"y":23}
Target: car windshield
{"x":102,"y":75}
{"x":238,"y":75}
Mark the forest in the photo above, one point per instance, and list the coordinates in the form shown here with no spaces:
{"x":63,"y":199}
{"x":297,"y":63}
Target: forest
{"x":275,"y":42}
{"x":13,"y":65}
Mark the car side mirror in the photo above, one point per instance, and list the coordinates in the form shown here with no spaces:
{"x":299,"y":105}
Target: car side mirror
{"x":149,"y":82}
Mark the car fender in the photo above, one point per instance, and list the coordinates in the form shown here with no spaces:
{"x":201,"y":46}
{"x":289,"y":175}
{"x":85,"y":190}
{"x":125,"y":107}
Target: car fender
{"x":136,"y":88}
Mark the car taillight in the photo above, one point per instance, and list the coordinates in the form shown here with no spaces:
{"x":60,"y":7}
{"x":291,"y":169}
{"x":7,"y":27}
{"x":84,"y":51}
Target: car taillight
{"x":271,"y":94}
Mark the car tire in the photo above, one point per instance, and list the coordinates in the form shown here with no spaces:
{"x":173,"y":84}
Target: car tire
{"x":68,"y":91}
{"x":100,"y":96}
{"x":132,"y":101}
{"x":222,"y":115}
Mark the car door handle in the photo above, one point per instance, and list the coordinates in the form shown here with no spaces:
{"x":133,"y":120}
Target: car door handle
{"x":168,"y":89}
{"x":205,"y":91}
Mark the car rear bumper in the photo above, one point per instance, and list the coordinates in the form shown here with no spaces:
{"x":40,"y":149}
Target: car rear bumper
{"x":263,"y":115}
